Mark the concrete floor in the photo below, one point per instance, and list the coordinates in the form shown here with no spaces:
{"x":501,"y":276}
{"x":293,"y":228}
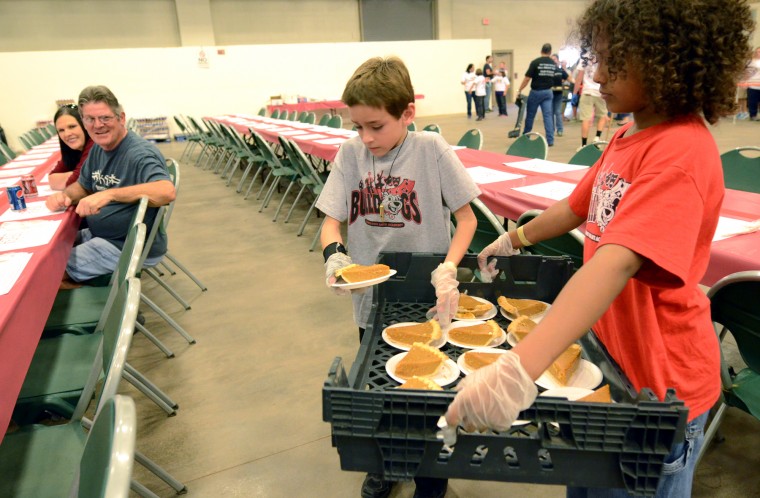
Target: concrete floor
{"x":250,"y":420}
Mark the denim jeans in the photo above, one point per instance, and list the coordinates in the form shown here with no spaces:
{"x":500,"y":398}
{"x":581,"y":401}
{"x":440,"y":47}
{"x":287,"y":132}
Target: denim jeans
{"x":480,"y":106}
{"x":92,"y":257}
{"x":677,"y":472}
{"x":544,"y":99}
{"x":488,"y":96}
{"x":469,"y":96}
{"x":753,"y":102}
{"x":501,"y":101}
{"x":558,"y":112}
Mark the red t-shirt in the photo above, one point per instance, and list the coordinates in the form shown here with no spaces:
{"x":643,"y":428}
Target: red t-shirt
{"x":658,"y":193}
{"x":61,"y":168}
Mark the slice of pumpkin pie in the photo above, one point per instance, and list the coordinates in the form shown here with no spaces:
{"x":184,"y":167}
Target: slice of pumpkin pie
{"x":421,"y":360}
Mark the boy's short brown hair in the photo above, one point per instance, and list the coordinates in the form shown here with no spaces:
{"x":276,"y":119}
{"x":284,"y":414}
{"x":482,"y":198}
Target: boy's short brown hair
{"x":383,"y":83}
{"x":690,"y":54}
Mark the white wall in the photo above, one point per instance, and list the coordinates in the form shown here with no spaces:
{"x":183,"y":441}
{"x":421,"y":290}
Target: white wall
{"x":169,"y":81}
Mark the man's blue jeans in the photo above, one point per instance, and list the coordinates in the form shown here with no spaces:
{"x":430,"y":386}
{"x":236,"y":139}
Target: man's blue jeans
{"x":677,"y":472}
{"x":545,"y":100}
{"x":558,"y":112}
{"x":469,"y":96}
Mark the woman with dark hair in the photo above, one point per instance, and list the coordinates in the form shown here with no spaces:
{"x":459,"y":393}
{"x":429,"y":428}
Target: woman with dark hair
{"x":75,"y":147}
{"x":468,"y":81}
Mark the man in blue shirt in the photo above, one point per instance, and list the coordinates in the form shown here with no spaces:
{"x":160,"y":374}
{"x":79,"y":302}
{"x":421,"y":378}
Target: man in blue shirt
{"x":122,"y":167}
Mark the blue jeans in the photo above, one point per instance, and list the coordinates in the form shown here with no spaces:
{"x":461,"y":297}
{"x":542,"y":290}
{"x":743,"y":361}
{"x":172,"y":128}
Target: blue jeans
{"x":480,"y":106}
{"x":501,"y":101}
{"x":753,"y":102}
{"x":677,"y":472}
{"x":488,"y":96}
{"x":469,"y":96}
{"x":558,"y":112}
{"x":92,"y":257}
{"x":544,"y":99}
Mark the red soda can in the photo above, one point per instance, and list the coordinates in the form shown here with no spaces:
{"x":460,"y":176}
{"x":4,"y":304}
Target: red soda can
{"x":16,"y":198}
{"x":29,"y":185}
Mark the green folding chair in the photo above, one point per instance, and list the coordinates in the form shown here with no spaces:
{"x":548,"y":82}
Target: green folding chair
{"x":324,"y":120}
{"x":432,"y":127}
{"x":263,"y":111}
{"x":588,"y":155}
{"x":335,"y":121}
{"x":734,"y":308}
{"x":6,"y":151}
{"x":412,"y":126}
{"x":741,"y":171}
{"x":569,"y":244}
{"x":531,"y":145}
{"x":293,"y":115}
{"x":472,"y":139}
{"x":276,"y":114}
{"x":488,"y":229}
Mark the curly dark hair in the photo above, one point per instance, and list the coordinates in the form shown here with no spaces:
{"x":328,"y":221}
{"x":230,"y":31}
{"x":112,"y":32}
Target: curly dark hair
{"x":691,"y":52}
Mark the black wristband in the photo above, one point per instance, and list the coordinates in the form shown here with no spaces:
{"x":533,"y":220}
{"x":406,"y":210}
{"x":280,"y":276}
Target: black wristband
{"x":332,"y":248}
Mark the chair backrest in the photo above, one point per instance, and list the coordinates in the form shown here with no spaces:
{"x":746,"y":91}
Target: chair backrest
{"x":741,"y":171}
{"x":302,"y":116}
{"x":105,"y":469}
{"x":7,"y":151}
{"x":128,"y":265}
{"x":472,"y":139}
{"x":180,"y":124}
{"x":531,"y":145}
{"x":119,"y":325}
{"x":173,"y":166}
{"x":588,"y":154}
{"x":432,"y":127}
{"x":275,"y":114}
{"x":263,"y":111}
{"x":292,"y":116}
{"x":311,"y":118}
{"x":569,"y":244}
{"x":299,"y":161}
{"x":324,"y":120}
{"x":412,"y":126}
{"x":488,"y":228}
{"x":734,"y":304}
{"x":335,"y":121}
{"x":27,"y":145}
{"x":158,"y":225}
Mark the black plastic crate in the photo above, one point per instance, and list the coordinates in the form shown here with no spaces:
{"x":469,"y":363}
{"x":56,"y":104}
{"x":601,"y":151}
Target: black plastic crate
{"x":377,"y":428}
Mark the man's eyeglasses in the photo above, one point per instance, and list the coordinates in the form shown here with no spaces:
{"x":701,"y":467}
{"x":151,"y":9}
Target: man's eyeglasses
{"x":88,"y":120}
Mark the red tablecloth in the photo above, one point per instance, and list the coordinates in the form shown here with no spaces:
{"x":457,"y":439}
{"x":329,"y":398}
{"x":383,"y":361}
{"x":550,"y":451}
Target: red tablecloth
{"x":727,"y":256}
{"x":270,"y":129}
{"x":24,"y":310}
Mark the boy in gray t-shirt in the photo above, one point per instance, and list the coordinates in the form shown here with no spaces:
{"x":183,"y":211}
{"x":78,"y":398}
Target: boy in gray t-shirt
{"x":396,"y":191}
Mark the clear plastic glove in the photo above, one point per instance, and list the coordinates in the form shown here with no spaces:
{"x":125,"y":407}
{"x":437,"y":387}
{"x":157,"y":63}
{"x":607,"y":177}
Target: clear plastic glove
{"x":499,"y":247}
{"x":334,"y":263}
{"x":444,"y":279}
{"x":493,"y":396}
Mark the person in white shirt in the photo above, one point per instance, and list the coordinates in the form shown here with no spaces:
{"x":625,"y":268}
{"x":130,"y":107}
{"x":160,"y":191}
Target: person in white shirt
{"x":753,"y":90}
{"x":480,"y":94}
{"x":468,"y":81}
{"x":500,"y":84}
{"x":591,"y":104}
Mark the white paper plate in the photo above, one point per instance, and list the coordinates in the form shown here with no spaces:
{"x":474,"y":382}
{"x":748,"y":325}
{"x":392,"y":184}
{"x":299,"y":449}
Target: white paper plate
{"x":448,"y":373}
{"x":364,"y":283}
{"x":511,"y":339}
{"x":571,"y":393}
{"x":436,"y":344}
{"x":485,"y":316}
{"x":536,"y":318}
{"x":587,"y":376}
{"x":463,"y":366}
{"x":468,"y":323}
